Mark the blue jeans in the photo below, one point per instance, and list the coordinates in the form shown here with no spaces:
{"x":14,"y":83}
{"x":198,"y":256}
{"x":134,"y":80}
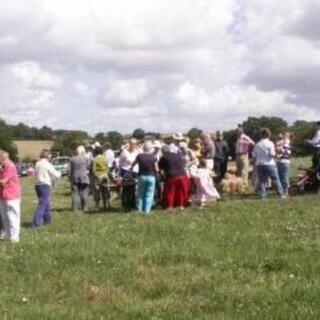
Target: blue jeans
{"x":42,"y":214}
{"x":264,"y":173}
{"x":283,"y":170}
{"x":146,"y":190}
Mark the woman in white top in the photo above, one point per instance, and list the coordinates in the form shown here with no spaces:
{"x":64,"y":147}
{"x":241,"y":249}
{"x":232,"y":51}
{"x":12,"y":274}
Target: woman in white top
{"x":127,"y":158}
{"x":45,"y":173}
{"x":264,"y":154}
{"x":283,"y":149}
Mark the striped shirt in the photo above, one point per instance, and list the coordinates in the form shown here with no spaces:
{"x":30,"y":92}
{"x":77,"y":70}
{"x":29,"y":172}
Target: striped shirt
{"x":243,"y":145}
{"x":283,"y":148}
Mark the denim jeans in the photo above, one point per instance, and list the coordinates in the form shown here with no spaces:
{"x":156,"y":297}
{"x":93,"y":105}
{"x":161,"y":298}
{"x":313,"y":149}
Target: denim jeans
{"x":264,"y":173}
{"x":43,"y":211}
{"x":283,"y":170}
{"x":146,"y":190}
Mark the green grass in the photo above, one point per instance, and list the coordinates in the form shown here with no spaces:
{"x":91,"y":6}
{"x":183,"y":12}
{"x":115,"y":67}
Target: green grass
{"x":238,"y":259}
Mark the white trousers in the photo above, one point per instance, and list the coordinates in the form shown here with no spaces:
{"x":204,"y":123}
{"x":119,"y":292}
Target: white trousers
{"x":10,"y":217}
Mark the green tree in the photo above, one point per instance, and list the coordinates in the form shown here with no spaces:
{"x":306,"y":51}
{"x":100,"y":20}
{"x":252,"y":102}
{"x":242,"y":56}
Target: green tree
{"x":231,"y":137}
{"x":67,"y":144}
{"x":6,"y":142}
{"x":301,"y":131}
{"x":115,"y":139}
{"x":138,"y":134}
{"x":253,"y":125}
{"x":194,"y":133}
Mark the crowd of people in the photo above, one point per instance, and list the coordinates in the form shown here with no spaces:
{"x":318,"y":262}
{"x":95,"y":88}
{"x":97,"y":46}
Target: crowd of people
{"x":152,"y":173}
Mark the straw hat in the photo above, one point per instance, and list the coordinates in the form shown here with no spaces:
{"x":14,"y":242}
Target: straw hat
{"x":178,"y":136}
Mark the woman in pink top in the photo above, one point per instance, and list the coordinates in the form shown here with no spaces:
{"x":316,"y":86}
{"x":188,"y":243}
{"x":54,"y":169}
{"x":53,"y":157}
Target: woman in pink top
{"x":10,"y":195}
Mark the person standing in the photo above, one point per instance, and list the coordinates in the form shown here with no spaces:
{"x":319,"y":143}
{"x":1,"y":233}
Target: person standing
{"x":45,"y":174}
{"x":315,"y":143}
{"x":109,"y":153}
{"x":10,"y":199}
{"x":128,"y":174}
{"x":100,"y":172}
{"x":283,"y":150}
{"x":177,"y":183}
{"x":221,"y":156}
{"x":79,"y":178}
{"x":197,"y":149}
{"x":148,"y":169}
{"x":264,"y":154}
{"x":208,"y":150}
{"x":175,"y":140}
{"x":188,"y":156}
{"x":243,"y":146}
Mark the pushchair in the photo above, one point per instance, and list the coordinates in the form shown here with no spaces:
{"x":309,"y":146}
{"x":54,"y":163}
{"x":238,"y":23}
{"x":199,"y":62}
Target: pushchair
{"x":308,"y":181}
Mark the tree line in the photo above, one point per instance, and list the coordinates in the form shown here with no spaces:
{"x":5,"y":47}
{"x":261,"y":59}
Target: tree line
{"x":65,"y":141}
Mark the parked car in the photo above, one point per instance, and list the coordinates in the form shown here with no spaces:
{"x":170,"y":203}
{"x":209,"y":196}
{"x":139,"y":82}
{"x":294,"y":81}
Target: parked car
{"x":22,"y":169}
{"x":62,"y":164}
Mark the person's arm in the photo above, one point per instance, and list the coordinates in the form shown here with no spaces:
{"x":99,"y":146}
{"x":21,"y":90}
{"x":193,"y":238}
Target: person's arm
{"x":272,"y":150}
{"x":52,"y":171}
{"x":250,"y":141}
{"x":156,"y":166}
{"x":7,"y":174}
{"x":315,"y":140}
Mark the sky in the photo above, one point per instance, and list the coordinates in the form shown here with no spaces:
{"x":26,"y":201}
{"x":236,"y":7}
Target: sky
{"x":101,"y":65}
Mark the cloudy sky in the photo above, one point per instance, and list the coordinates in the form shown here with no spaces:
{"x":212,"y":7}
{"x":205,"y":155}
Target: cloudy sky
{"x":103,"y":65}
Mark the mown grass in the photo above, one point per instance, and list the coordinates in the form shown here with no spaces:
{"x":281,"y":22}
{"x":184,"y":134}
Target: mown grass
{"x":239,"y":259}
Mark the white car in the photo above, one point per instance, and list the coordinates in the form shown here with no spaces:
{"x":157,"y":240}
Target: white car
{"x":62,"y":164}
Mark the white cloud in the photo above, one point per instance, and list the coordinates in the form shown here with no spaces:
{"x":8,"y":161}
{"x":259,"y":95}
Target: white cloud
{"x":164,"y":65}
{"x":28,"y":92}
{"x":125,"y":93}
{"x":81,"y":89}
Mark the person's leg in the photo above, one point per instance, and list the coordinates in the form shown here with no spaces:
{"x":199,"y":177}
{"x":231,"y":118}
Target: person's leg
{"x":217,"y":168}
{"x":97,"y":192}
{"x":84,"y":194}
{"x":149,"y":193}
{"x":169,"y":193}
{"x":286,"y":178}
{"x":281,"y":172}
{"x":47,"y":211}
{"x":263,"y":179}
{"x":185,"y":189}
{"x":273,"y":174}
{"x":5,"y":233}
{"x":182,"y":191}
{"x":13,"y":212}
{"x":245,"y":168}
{"x":224,"y":168}
{"x":141,"y":191}
{"x":75,"y":196}
{"x":239,"y":166}
{"x":42,"y":193}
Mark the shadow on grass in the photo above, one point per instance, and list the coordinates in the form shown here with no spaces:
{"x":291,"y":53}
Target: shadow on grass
{"x":26,"y":225}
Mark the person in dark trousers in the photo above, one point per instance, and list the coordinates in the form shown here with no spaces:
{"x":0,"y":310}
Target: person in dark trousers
{"x":45,"y":175}
{"x":79,"y":179}
{"x":221,"y":156}
{"x":177,"y":183}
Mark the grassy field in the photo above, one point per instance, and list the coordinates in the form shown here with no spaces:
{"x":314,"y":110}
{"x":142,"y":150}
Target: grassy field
{"x":238,"y":259}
